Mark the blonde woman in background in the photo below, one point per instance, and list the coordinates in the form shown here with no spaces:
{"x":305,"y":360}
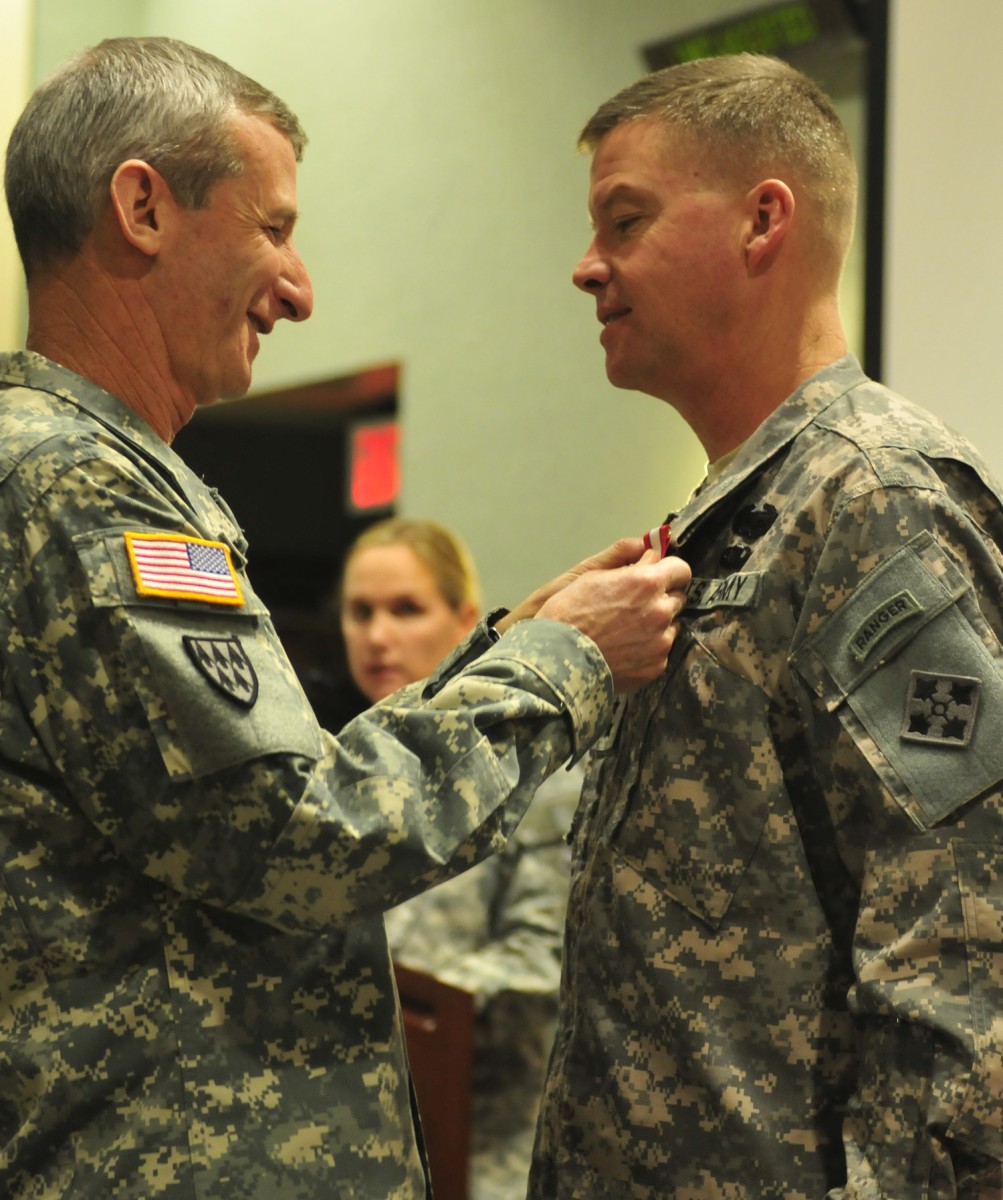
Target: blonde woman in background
{"x":409,"y":594}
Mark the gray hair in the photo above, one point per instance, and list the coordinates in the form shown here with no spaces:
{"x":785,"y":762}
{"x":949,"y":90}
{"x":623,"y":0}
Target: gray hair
{"x":155,"y":99}
{"x":750,"y":116}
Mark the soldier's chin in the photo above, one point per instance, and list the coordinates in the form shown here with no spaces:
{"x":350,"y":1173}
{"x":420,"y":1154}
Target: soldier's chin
{"x":235,"y":389}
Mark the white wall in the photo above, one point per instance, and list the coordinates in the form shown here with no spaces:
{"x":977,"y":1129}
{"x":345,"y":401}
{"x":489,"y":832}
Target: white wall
{"x":944,"y":240}
{"x":443,"y":209}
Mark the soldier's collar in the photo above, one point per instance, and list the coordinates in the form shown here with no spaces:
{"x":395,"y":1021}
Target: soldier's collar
{"x":772,"y":437}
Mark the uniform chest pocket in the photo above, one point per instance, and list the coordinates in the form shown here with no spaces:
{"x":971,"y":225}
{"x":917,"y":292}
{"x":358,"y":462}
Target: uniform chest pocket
{"x":707,"y":778}
{"x":215,"y":684}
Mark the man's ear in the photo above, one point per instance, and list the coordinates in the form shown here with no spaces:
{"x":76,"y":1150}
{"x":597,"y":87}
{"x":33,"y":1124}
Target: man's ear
{"x":771,"y":208}
{"x":141,"y":199}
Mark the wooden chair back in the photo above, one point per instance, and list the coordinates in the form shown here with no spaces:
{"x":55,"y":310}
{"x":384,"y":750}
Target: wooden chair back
{"x":439,"y":1030}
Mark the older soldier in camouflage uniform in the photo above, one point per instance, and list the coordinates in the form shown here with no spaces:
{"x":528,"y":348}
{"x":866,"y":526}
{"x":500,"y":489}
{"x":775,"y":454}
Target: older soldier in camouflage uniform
{"x":783,"y":974}
{"x":195,"y":992}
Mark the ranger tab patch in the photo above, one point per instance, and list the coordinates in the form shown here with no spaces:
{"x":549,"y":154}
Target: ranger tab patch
{"x":224,"y":662}
{"x":886,"y":617}
{"x":183,"y":568}
{"x":940,"y":709}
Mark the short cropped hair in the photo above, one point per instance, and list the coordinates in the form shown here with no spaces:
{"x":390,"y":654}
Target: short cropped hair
{"x":444,"y":553}
{"x":155,"y":99}
{"x":752,"y":116}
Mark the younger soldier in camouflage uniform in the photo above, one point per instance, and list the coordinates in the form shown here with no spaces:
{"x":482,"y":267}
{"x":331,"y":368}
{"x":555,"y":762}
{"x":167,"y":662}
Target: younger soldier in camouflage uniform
{"x":783,"y":971}
{"x":196,"y":997}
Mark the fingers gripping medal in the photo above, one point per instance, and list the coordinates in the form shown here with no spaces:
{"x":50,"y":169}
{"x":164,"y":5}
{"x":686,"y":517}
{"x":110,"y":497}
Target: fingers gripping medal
{"x":659,"y":538}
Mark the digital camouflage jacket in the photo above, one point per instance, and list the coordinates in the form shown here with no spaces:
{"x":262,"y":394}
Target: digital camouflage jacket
{"x":783,"y":972}
{"x":196,"y":999}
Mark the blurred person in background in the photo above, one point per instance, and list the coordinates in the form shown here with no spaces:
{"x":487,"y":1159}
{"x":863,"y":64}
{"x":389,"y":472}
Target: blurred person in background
{"x":409,"y":593}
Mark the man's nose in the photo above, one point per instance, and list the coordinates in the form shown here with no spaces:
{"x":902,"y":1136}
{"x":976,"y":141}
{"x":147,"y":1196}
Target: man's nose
{"x":295,"y":291}
{"x":592,"y":271}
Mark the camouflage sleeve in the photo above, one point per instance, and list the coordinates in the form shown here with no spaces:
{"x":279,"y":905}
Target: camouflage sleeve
{"x":229,"y":792}
{"x":468,"y":758}
{"x":899,"y":649}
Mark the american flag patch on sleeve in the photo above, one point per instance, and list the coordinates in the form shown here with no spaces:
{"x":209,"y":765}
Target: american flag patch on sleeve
{"x":182,"y":568}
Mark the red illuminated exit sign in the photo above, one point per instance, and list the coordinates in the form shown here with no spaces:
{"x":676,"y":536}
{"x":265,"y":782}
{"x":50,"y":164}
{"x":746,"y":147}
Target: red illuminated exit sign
{"x":373,"y":466}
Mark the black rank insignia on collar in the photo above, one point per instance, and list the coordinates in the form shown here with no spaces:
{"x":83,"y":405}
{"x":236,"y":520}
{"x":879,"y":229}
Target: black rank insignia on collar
{"x":224,"y":662}
{"x":940,"y":709}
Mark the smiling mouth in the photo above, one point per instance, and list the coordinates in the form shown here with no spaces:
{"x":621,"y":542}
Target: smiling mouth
{"x":608,"y":318}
